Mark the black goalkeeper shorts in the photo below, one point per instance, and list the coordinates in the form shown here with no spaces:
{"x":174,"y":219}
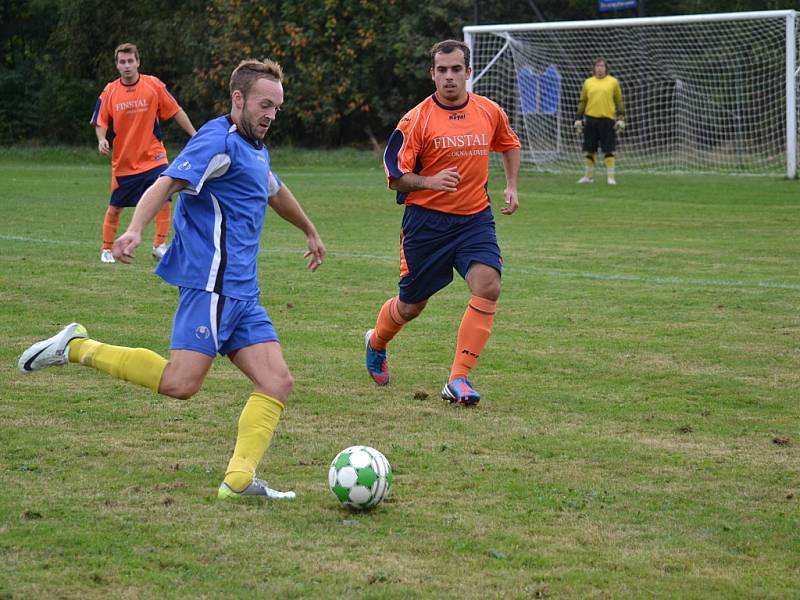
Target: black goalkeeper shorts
{"x":599,"y":133}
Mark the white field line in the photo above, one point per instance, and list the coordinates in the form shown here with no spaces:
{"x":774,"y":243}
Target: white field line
{"x":29,"y":240}
{"x":647,"y":279}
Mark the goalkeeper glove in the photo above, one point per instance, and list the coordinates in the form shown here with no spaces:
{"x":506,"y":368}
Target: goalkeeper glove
{"x":578,"y":126}
{"x":619,"y":126}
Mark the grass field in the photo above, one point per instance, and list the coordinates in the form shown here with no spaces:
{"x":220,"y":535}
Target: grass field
{"x":639,"y":435}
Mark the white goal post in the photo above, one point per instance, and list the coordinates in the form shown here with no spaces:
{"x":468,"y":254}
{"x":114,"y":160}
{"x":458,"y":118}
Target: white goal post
{"x":713,"y":93}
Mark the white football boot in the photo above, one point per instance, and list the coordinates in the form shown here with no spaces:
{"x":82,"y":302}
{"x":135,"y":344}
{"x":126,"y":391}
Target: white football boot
{"x":585,"y":179}
{"x":106,"y":257}
{"x":611,"y":180}
{"x":257,"y":487}
{"x":159,"y":251}
{"x":52,"y":351}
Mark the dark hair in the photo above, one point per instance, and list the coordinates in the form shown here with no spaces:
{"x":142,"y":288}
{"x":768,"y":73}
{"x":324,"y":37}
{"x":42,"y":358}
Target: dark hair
{"x":448,"y":46}
{"x":126,"y":48}
{"x":598,"y":60}
{"x":250,"y":71}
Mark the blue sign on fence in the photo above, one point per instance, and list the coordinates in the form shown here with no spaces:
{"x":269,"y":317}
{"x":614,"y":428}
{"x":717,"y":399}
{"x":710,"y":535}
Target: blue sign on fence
{"x":605,"y":5}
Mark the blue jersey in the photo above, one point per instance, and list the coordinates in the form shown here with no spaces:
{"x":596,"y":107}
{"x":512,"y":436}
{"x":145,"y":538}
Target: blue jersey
{"x":220,"y":214}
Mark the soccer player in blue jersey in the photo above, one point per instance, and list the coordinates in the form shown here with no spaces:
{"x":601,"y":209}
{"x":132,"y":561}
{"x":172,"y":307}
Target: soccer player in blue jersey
{"x":225,"y":183}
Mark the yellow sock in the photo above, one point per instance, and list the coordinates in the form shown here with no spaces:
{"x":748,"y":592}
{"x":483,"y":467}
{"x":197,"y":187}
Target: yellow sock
{"x":257,"y":423}
{"x":136,"y":365}
{"x":611,"y":162}
{"x":589,"y":164}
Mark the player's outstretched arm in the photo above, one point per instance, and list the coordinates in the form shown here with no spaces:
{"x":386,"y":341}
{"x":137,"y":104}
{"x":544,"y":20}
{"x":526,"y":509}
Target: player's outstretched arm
{"x":446,"y":180}
{"x":511,"y":161}
{"x":151,"y":202}
{"x":284,"y":203}
{"x":182,"y":119}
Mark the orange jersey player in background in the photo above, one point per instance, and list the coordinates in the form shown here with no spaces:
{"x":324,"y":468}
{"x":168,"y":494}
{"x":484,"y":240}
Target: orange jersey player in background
{"x":133,"y":106}
{"x":437,"y":160}
{"x":435,"y":136}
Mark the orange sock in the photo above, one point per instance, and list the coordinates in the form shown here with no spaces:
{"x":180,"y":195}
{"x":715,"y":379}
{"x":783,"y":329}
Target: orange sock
{"x":162,"y":225}
{"x":110,"y":224}
{"x":389,"y":323}
{"x":474,"y":332}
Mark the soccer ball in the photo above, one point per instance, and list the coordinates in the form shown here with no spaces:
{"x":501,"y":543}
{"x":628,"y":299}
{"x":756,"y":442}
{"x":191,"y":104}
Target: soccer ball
{"x":360,"y":477}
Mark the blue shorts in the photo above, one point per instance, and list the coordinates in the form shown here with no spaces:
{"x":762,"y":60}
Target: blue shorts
{"x":434,"y":243}
{"x":212,"y":324}
{"x":131,"y":187}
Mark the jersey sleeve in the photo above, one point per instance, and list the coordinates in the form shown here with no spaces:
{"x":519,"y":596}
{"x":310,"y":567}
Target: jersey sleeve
{"x":402,"y":150}
{"x":168,"y":107}
{"x":101,"y":117}
{"x":582,"y":102}
{"x":274,"y":184}
{"x":504,"y":138}
{"x":618,"y":103}
{"x":203,"y":158}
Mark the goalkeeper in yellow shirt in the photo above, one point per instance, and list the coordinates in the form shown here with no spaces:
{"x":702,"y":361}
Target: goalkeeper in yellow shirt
{"x":600,"y":118}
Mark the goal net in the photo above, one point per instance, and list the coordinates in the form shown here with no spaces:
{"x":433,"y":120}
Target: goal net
{"x":702,"y":93}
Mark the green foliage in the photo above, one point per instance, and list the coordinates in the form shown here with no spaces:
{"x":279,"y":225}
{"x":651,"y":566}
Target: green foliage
{"x":60,"y":53}
{"x":353,"y":66}
{"x":24,"y":31}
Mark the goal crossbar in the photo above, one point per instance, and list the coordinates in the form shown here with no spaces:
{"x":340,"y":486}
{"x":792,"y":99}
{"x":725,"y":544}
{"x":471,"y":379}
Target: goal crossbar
{"x":631,"y":22}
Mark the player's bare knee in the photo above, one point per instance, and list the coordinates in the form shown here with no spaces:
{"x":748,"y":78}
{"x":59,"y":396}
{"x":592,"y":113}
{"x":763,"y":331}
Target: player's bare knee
{"x":410,"y":312}
{"x":179,"y":386}
{"x":285,"y":383}
{"x":180,"y":390}
{"x":488,"y":290}
{"x":484,"y":282}
{"x":492,"y":293}
{"x":185,"y":393}
{"x":277,"y":385}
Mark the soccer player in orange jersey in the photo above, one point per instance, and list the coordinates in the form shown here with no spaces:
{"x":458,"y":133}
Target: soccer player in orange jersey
{"x":133,"y":106}
{"x":437,"y":160}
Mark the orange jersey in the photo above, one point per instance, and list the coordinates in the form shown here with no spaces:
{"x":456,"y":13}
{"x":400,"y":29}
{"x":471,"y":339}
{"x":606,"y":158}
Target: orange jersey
{"x":134,"y":111}
{"x":433,"y":136}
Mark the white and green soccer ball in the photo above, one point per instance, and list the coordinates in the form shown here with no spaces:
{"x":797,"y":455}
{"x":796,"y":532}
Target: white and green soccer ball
{"x":360,"y":477}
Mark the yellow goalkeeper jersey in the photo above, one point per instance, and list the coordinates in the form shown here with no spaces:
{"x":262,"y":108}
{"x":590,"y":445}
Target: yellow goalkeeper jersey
{"x":601,"y":98}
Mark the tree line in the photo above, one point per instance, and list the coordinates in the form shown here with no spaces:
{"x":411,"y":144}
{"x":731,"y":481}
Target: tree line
{"x":353,"y":67}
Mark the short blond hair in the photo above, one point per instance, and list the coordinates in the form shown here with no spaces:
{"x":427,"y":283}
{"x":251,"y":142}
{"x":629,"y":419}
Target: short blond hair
{"x":126,"y":48}
{"x":250,"y":71}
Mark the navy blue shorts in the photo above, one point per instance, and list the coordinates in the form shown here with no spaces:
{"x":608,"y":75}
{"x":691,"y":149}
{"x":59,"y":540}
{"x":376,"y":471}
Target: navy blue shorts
{"x":131,"y":187}
{"x":433,"y":243}
{"x":212,"y":324}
